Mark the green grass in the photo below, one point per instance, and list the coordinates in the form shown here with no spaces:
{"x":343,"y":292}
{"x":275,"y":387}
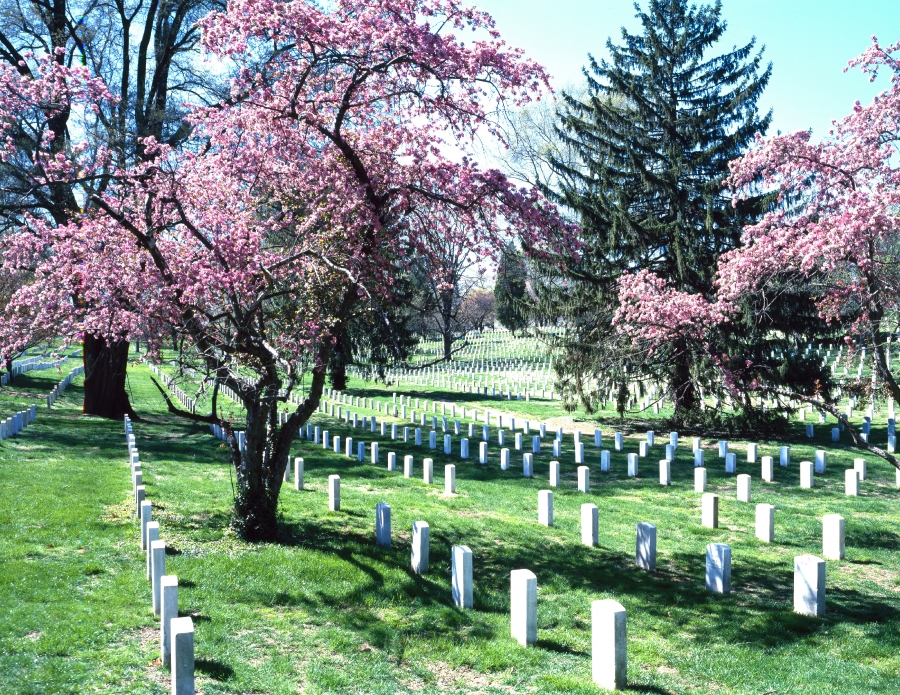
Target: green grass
{"x":327,"y":611}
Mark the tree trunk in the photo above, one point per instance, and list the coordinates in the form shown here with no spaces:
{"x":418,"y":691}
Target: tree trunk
{"x":260,"y":466}
{"x":447,"y":324}
{"x":339,"y":375}
{"x":105,"y":368}
{"x":684,"y":391}
{"x":448,"y":346}
{"x":339,"y":358}
{"x":9,"y":368}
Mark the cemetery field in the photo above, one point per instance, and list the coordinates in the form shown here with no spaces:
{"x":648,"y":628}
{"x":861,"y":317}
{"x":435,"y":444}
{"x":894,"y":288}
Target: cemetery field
{"x":327,"y":610}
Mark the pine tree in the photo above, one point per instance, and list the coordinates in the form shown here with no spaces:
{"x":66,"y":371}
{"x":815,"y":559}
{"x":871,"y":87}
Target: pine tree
{"x":509,"y":290}
{"x":653,"y":139}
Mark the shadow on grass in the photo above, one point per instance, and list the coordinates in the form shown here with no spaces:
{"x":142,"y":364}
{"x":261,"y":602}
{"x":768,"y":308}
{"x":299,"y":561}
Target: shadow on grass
{"x":758,"y":612}
{"x":214,"y":669}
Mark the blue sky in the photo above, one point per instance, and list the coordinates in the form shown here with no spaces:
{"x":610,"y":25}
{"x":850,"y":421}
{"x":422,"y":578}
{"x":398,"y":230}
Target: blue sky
{"x":808,"y":42}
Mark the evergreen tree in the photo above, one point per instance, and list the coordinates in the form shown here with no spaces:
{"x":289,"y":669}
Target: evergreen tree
{"x":509,"y":290}
{"x":653,"y":137}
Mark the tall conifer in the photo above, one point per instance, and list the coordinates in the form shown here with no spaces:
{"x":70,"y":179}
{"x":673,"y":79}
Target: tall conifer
{"x":661,"y":120}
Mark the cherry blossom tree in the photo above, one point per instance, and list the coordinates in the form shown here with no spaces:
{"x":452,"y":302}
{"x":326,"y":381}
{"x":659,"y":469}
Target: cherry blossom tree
{"x":835,"y":227}
{"x":325,"y":173}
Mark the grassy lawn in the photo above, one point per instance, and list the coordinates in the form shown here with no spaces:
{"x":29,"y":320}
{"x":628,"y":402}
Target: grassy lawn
{"x":326,"y":610}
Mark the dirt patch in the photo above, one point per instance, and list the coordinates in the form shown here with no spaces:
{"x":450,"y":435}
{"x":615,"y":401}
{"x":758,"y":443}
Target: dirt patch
{"x":447,"y":677}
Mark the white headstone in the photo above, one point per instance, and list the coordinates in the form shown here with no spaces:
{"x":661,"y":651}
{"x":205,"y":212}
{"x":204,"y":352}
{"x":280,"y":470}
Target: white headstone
{"x":665,"y":472}
{"x":833,"y":537}
{"x":461,"y":576}
{"x":420,"y":546}
{"x":768,"y":469}
{"x":645,"y":549}
{"x":718,"y":568}
{"x":765,"y":522}
{"x":523,"y":606}
{"x":806,"y":474}
{"x":334,"y":493}
{"x":545,"y":507}
{"x":710,"y":510}
{"x":809,"y":586}
{"x":609,"y":651}
{"x":383,"y":524}
{"x":700,"y":479}
{"x":182,"y":648}
{"x":590,"y":523}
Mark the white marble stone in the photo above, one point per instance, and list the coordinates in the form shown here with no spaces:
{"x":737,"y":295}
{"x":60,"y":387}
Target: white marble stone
{"x":523,"y":606}
{"x":584,"y":479}
{"x":833,"y":537}
{"x":731,"y":462}
{"x":768,"y":469}
{"x":698,"y":458}
{"x":483,"y":452}
{"x":461,"y":576}
{"x":152,"y":535}
{"x":168,"y":586}
{"x":765,"y":522}
{"x":645,"y":546}
{"x":383,"y":524}
{"x":146,"y":518}
{"x":859,"y":465}
{"x":632,"y":465}
{"x":743,"y":487}
{"x":609,"y":650}
{"x":334,"y":493}
{"x":851,"y":482}
{"x":807,"y":476}
{"x":604,"y":461}
{"x":428,"y":471}
{"x":619,"y":441}
{"x":182,"y":648}
{"x":809,"y":586}
{"x":421,"y":533}
{"x":528,"y":465}
{"x":821,"y":461}
{"x":718,"y":568}
{"x":449,"y":479}
{"x":665,"y":472}
{"x":751,"y":453}
{"x":590,"y":523}
{"x":700,"y":479}
{"x":545,"y":507}
{"x":710,"y":510}
{"x":157,"y":570}
{"x":504,"y":459}
{"x":554,"y":474}
{"x":784,"y":456}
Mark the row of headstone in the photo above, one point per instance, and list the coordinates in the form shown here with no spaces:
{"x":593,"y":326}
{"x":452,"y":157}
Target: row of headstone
{"x":186,"y":402}
{"x":30,"y":365}
{"x":14,"y":424}
{"x":176,"y":635}
{"x":57,"y":390}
